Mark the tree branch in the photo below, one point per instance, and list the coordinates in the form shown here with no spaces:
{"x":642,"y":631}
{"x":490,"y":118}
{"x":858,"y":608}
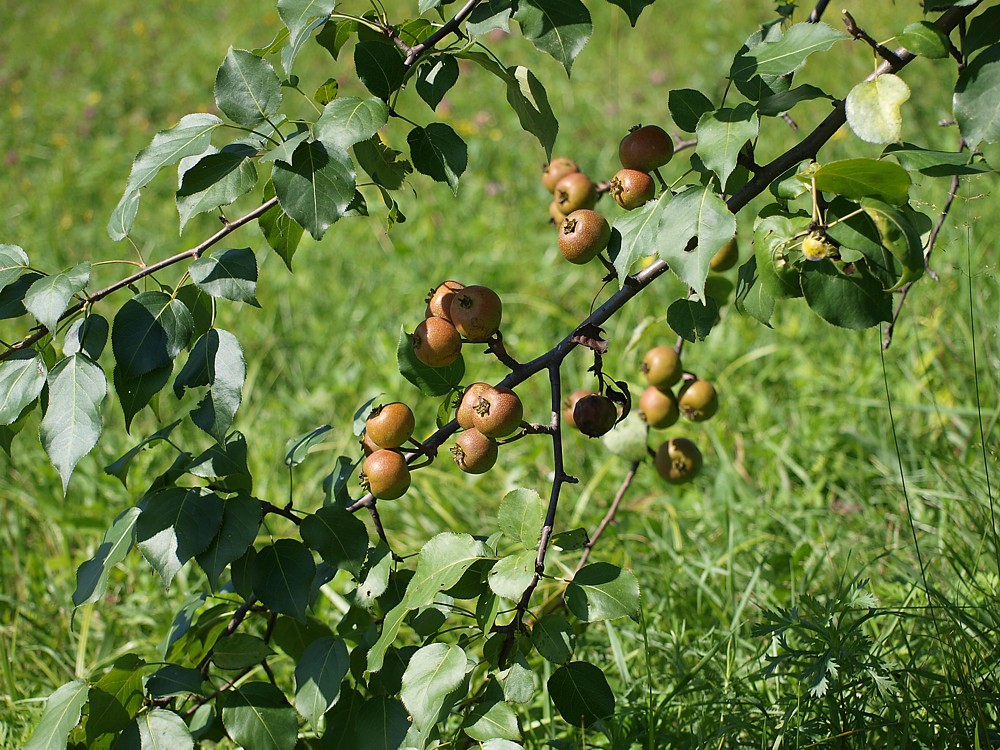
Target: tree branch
{"x":419,"y":49}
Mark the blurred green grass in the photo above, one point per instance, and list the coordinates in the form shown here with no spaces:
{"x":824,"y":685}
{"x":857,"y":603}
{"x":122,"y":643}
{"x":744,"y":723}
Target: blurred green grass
{"x":802,"y":486}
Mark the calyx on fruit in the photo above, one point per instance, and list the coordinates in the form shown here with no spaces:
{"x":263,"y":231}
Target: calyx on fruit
{"x":569,"y":403}
{"x":385,"y":474}
{"x":555,"y":170}
{"x":390,"y":425}
{"x":582,"y":235}
{"x":595,"y":415}
{"x":439,"y":299}
{"x":476,"y":312}
{"x":726,"y":257}
{"x":470,"y":397}
{"x":678,"y":460}
{"x":661,"y":366}
{"x":498,"y":412}
{"x":698,"y":400}
{"x":816,"y":247}
{"x":631,"y":188}
{"x":474,"y":452}
{"x":575,"y":191}
{"x":436,"y":342}
{"x":658,"y":408}
{"x":646,"y":147}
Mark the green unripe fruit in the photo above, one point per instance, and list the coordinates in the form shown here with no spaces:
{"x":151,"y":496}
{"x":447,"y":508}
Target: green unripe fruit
{"x":678,"y":461}
{"x":385,"y":474}
{"x":698,"y":400}
{"x":661,"y":367}
{"x":726,"y":257}
{"x":658,"y":408}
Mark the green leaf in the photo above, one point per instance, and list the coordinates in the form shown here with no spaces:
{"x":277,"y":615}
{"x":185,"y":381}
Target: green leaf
{"x":281,"y":232}
{"x":88,"y":334}
{"x":224,"y":464}
{"x":340,"y":537}
{"x":786,"y":53}
{"x":512,"y":575}
{"x":229,"y":274}
{"x":697,"y":214}
{"x":601,"y":591}
{"x":240,"y":650}
{"x":284,"y":573}
{"x":863,"y":178}
{"x":192,"y":135}
{"x":257,"y":716}
{"x":521,"y":515}
{"x":899,"y":237}
{"x":247,"y":90}
{"x":873,"y":108}
{"x":440,"y":565}
{"x":284,"y":150}
{"x":432,"y":381}
{"x":13,"y":263}
{"x":215,"y":179}
{"x":373,"y":579}
{"x":776,"y":104}
{"x":318,"y":675}
{"x":854,"y":301}
{"x":175,"y":525}
{"x":983,"y":31}
{"x":173,"y":679}
{"x":380,"y":67}
{"x":492,"y":718}
{"x":382,"y":724}
{"x":335,"y":34}
{"x":62,"y":712}
{"x":433,"y":673}
{"x":435,"y":77}
{"x":160,"y":728}
{"x":691,"y":320}
{"x":317,"y":187}
{"x":490,"y":15}
{"x":297,"y":40}
{"x":498,"y":743}
{"x":350,"y":120}
{"x":390,"y":629}
{"x":977,"y":98}
{"x":12,"y":296}
{"x":554,"y":638}
{"x":935,"y":163}
{"x":136,"y":393}
{"x":92,"y":575}
{"x":72,"y":422}
{"x":298,"y":14}
{"x":721,"y":135}
{"x":926,"y":39}
{"x":381,"y":164}
{"x":241,"y":517}
{"x":22,"y":377}
{"x":632,"y":8}
{"x":216,"y":360}
{"x":687,"y":107}
{"x":149,"y":331}
{"x":115,"y":698}
{"x":438,"y":152}
{"x":581,"y":693}
{"x":297,"y":448}
{"x":640,"y":234}
{"x":772,"y":235}
{"x":559,"y":28}
{"x":48,"y":297}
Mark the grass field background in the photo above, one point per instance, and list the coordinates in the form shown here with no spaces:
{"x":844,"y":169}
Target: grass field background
{"x":852,"y":485}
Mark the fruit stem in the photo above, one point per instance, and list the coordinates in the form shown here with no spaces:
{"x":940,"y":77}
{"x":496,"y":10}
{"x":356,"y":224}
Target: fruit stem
{"x":608,"y":518}
{"x":659,"y":178}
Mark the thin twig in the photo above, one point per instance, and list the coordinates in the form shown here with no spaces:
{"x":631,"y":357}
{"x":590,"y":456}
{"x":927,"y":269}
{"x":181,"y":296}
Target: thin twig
{"x":285,"y":512}
{"x":858,"y":33}
{"x":817,"y":12}
{"x":418,"y":49}
{"x":193,"y":252}
{"x":608,"y":517}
